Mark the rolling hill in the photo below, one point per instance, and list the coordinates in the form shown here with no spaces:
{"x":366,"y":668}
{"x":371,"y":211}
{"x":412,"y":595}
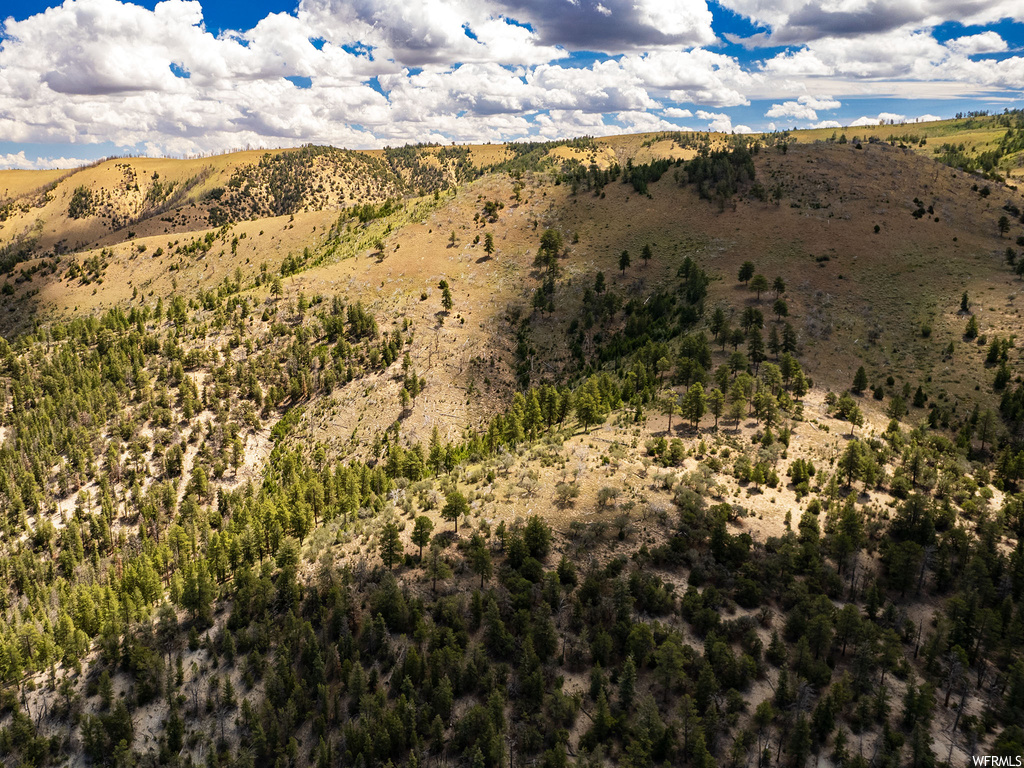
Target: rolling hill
{"x":668,"y":448}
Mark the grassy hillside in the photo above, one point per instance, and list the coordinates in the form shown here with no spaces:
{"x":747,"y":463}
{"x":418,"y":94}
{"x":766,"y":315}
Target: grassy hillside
{"x":663,"y":449}
{"x":988,"y":144}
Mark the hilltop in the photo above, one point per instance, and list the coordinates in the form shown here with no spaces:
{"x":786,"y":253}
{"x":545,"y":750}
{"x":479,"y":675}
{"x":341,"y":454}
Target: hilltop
{"x":319,"y":218}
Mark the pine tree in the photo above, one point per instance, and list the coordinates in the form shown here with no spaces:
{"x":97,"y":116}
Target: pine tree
{"x":421,"y":531}
{"x":799,"y":747}
{"x":480,"y":558}
{"x":694,"y":404}
{"x":789,"y":339}
{"x":627,"y":685}
{"x":455,"y":506}
{"x":718,"y":322}
{"x":437,"y":567}
{"x":780,"y":308}
{"x":755,"y":348}
{"x":971,"y":331}
{"x":777,"y":652}
{"x":670,"y":407}
{"x":390,"y":544}
{"x":746,"y":272}
{"x":587,"y":410}
{"x":758,"y":284}
{"x":897,"y":408}
{"x":716,"y":404}
{"x":860,"y":380}
{"x":851,"y":463}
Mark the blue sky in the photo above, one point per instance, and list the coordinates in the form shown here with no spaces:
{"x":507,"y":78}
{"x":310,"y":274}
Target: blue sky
{"x":94,"y":78}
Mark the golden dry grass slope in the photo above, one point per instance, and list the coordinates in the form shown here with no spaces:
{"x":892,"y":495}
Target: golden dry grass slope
{"x":133,"y":230}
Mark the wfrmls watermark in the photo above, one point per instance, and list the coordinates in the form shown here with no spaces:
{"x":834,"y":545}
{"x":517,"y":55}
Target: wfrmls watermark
{"x":997,"y":761}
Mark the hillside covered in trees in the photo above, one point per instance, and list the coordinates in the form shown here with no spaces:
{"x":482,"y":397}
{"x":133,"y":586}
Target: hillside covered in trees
{"x":658,"y":450}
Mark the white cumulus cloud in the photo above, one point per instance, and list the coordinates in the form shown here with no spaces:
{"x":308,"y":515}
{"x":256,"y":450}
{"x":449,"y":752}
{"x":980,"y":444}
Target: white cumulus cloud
{"x":792,"y":109}
{"x":698,"y":76}
{"x":643,"y":122}
{"x":717,"y":121}
{"x":389,"y":71}
{"x":986,"y":42}
{"x":18,"y":161}
{"x":820,"y":102}
{"x":790,"y":22}
{"x":881,"y":118}
{"x":804,"y":108}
